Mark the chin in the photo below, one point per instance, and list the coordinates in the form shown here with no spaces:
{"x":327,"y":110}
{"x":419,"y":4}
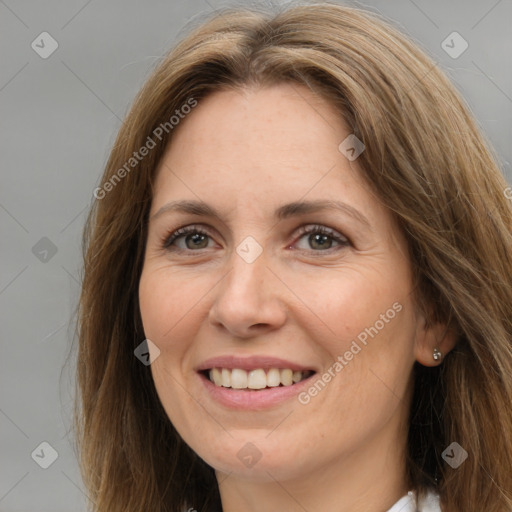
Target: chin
{"x":259,"y":459}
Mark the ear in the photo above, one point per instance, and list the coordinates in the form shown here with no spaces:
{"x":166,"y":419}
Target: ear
{"x":430,"y":337}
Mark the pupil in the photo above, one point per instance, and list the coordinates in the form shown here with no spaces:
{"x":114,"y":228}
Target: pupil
{"x":319,"y":239}
{"x":197,"y":238}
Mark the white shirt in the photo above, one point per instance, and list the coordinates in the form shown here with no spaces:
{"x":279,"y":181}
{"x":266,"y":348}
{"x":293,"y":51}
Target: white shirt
{"x":408,"y":504}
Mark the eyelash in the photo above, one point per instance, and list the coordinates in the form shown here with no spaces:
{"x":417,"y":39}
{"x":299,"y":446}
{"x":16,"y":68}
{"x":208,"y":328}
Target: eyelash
{"x":171,"y":237}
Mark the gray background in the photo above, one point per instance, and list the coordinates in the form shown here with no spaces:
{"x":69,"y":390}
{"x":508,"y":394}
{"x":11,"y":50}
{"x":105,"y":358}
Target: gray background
{"x":59,"y":117}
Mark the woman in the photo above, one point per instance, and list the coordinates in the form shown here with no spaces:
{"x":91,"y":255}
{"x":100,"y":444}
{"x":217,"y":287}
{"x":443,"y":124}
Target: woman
{"x":297,"y":281}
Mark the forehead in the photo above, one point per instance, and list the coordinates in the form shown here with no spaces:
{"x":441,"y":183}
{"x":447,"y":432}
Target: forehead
{"x":246,"y":153}
{"x":284,"y":134}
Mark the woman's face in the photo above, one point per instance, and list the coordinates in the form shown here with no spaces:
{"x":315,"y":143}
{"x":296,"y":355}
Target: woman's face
{"x":290,"y":266}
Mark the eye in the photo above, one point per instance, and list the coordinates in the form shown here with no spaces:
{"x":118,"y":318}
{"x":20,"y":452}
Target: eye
{"x":192,"y":238}
{"x":321,"y":238}
{"x":187,"y":238}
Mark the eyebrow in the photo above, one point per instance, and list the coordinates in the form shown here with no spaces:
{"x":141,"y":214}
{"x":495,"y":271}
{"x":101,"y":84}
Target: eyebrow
{"x":293,"y":209}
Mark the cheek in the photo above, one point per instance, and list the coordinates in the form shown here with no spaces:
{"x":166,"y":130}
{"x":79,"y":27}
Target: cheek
{"x":346,"y":302}
{"x":167,"y":304}
{"x":169,"y":307}
{"x":369,"y":349}
{"x":173,"y":307}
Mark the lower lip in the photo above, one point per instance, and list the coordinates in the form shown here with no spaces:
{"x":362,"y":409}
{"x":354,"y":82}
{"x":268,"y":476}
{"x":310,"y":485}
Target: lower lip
{"x":253,"y":399}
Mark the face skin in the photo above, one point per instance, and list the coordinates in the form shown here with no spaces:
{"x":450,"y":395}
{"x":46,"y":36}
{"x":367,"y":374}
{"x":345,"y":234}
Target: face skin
{"x":246,"y":153}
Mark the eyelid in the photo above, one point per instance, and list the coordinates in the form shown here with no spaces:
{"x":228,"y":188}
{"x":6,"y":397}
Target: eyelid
{"x":341,"y":239}
{"x":314,"y":228}
{"x":174,"y":234}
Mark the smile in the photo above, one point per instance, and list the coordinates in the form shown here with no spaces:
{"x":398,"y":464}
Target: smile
{"x":257,"y":379}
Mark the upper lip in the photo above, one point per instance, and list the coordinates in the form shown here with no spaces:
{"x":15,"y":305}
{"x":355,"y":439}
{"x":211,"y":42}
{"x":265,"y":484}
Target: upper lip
{"x":251,"y":363}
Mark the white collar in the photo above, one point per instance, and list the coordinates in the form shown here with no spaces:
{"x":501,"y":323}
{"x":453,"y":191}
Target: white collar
{"x":408,"y":503}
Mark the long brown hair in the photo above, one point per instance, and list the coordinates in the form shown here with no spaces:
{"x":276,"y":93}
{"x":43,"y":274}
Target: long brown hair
{"x":425,"y":159}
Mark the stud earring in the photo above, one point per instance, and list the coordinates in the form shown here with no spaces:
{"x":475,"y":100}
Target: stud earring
{"x":437,"y":355}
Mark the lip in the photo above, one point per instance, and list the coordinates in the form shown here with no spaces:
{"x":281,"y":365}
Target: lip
{"x":252,"y":400}
{"x":251,"y":363}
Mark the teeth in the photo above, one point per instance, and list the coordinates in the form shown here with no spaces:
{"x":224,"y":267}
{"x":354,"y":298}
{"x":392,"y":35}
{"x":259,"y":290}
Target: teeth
{"x":226,"y":378}
{"x":216,"y":376}
{"x":273,"y":378}
{"x":238,"y":379}
{"x":286,"y":377}
{"x":256,"y":379}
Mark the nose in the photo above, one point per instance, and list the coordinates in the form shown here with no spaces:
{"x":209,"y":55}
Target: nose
{"x":247,"y":301}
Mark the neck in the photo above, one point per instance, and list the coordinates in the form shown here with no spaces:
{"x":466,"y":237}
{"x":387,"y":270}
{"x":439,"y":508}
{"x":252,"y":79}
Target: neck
{"x":370,"y":479}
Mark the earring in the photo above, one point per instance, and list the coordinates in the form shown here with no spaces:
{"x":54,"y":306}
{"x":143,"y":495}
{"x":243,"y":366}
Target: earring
{"x":437,"y":355}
